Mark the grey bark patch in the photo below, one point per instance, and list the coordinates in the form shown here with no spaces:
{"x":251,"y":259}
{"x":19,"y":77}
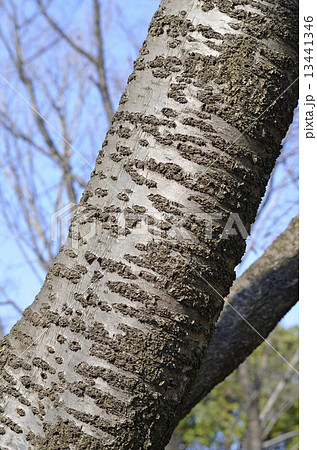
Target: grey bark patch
{"x":150,"y":318}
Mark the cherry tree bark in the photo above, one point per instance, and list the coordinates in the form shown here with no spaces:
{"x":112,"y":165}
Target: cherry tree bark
{"x":105,"y":355}
{"x":258,"y":300}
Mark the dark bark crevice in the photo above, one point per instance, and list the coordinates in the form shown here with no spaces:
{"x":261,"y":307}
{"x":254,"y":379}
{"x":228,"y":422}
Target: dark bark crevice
{"x":259,"y":299}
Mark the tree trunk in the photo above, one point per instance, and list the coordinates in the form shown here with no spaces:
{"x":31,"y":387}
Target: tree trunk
{"x":257,"y":302}
{"x":105,"y":355}
{"x":260,"y":298}
{"x":253,"y":439}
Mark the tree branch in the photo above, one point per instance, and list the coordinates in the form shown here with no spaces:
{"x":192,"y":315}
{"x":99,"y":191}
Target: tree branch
{"x":98,"y":61}
{"x":261,"y":296}
{"x":66,"y":37}
{"x":250,"y":399}
{"x":279,"y":388}
{"x":280,"y":438}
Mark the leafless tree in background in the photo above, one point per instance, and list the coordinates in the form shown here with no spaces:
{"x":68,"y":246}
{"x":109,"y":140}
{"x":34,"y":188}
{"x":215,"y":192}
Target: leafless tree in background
{"x":54,"y":70}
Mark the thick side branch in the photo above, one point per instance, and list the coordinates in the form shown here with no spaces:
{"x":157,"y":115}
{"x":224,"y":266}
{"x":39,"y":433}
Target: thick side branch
{"x":107,"y":352}
{"x":257,"y":302}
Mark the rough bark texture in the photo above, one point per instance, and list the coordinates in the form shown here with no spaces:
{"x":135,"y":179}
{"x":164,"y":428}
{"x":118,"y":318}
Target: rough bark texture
{"x":109,"y":348}
{"x":261,"y":296}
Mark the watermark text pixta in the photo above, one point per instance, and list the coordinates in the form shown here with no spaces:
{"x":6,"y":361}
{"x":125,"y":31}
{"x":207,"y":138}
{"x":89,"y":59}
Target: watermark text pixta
{"x":152,"y":224}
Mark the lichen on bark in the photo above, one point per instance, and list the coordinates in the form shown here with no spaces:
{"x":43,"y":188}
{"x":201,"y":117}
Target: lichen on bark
{"x":193,"y":135}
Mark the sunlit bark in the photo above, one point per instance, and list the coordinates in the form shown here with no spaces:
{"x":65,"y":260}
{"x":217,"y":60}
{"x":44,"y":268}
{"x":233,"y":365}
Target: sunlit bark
{"x":105,"y":355}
